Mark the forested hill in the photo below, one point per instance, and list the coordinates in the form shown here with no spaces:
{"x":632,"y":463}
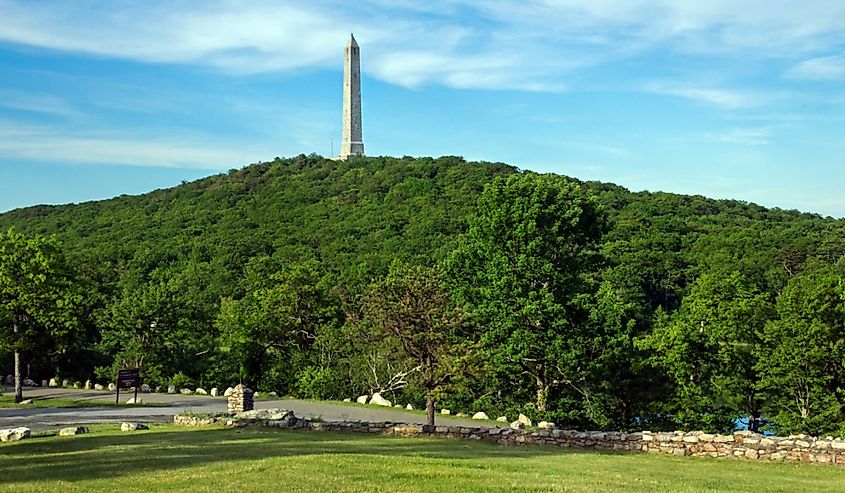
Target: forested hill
{"x":687,"y":317}
{"x":355,"y":216}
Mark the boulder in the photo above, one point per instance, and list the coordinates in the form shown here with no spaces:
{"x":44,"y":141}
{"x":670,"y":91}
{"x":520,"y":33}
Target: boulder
{"x":186,"y":391}
{"x":112,"y":387}
{"x":132,"y":400}
{"x":88,"y":385}
{"x":524,"y":419}
{"x":445,"y":412}
{"x":461,"y":415}
{"x":72,"y":430}
{"x":127,"y":426}
{"x":75,"y":385}
{"x":256,"y":395}
{"x":480,"y":415}
{"x":145,"y":388}
{"x":200,"y":391}
{"x":25,"y":401}
{"x":98,"y":386}
{"x":502,"y":419}
{"x":545,"y":425}
{"x":228,"y":391}
{"x":29,"y":382}
{"x":272,"y":393}
{"x":66,"y":383}
{"x":378,"y":400}
{"x":159,"y":389}
{"x":15,"y":434}
{"x":53,"y":383}
{"x":518,"y":425}
{"x":362,"y":399}
{"x":398,"y":406}
{"x":214,"y":392}
{"x":409,"y":407}
{"x":171,"y":389}
{"x":347,"y":400}
{"x":266,"y":414}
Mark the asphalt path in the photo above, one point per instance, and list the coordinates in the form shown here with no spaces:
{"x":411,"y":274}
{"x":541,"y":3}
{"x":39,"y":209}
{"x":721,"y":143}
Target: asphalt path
{"x":44,"y":419}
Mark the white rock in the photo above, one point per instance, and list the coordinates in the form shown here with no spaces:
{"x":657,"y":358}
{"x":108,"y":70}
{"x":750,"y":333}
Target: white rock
{"x":158,"y":389}
{"x":53,"y":383}
{"x":461,"y":415}
{"x":362,"y":399}
{"x":145,"y":388}
{"x":266,"y":414}
{"x":272,"y":393}
{"x":14,"y":434}
{"x":132,"y":400}
{"x":545,"y":425}
{"x":228,"y":391}
{"x":25,"y":401}
{"x":200,"y":391}
{"x":445,"y":411}
{"x":72,"y":430}
{"x":87,"y":385}
{"x":480,"y":415}
{"x":133,"y":426}
{"x":214,"y":392}
{"x":524,"y":419}
{"x":347,"y":400}
{"x":378,"y":400}
{"x":399,"y":406}
{"x":518,"y":425}
{"x":256,"y":395}
{"x":98,"y":386}
{"x":186,"y":391}
{"x":502,"y":419}
{"x":409,"y":407}
{"x":112,"y":387}
{"x":65,"y":383}
{"x":171,"y":389}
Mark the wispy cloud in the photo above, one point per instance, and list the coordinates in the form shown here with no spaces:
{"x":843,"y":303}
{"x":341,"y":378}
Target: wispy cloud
{"x":742,"y":136}
{"x":37,"y":143}
{"x":38,"y":103}
{"x":509,"y":44}
{"x":719,"y":97}
{"x":823,"y":68}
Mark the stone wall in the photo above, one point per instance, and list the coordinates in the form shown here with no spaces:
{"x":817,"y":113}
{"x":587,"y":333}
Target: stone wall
{"x":743,"y":445}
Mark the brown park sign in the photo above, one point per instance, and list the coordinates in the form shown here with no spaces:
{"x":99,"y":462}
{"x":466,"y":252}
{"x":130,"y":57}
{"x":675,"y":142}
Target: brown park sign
{"x":127,"y":379}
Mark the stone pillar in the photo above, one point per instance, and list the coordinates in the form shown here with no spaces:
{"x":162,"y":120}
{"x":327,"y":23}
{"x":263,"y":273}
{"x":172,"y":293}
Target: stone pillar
{"x":240,"y":399}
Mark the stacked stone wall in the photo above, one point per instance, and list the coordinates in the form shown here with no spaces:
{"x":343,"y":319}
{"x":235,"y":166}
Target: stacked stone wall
{"x":742,"y":445}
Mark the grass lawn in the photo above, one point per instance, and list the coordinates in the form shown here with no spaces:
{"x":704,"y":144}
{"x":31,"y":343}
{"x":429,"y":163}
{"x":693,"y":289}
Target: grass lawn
{"x":169,"y":458}
{"x":8,"y":401}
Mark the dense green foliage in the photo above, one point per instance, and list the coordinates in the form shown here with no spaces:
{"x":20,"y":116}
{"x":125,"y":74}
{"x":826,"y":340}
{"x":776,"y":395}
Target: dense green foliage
{"x":585,"y":303}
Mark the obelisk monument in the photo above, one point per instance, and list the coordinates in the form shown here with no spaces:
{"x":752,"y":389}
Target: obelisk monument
{"x":352,"y":143}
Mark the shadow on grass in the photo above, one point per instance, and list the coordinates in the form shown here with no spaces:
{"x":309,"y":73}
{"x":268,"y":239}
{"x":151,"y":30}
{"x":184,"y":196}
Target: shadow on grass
{"x":103,"y":456}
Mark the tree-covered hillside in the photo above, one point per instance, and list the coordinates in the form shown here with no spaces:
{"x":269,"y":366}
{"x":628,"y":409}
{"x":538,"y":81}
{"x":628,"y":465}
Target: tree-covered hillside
{"x":261,"y":273}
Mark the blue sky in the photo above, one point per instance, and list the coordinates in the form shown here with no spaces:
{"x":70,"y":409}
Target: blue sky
{"x":728,"y":99}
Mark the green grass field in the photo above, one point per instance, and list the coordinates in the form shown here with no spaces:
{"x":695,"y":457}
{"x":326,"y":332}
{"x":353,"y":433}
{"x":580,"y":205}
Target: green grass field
{"x":169,"y":458}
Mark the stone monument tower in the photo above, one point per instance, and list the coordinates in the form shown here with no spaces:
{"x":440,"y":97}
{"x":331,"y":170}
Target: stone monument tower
{"x":352,"y":143}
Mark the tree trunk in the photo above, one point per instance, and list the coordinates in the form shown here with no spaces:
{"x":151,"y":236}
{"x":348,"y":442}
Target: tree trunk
{"x":542,"y":389}
{"x":18,"y":382}
{"x":429,"y":413}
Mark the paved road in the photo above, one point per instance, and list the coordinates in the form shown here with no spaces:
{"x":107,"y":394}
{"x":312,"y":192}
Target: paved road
{"x":51,"y":418}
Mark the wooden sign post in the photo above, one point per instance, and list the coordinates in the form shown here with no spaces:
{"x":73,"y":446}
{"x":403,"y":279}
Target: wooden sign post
{"x":127,"y":379}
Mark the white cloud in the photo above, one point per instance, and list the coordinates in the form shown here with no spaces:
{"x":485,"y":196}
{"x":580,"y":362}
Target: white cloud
{"x":823,"y":68}
{"x":742,"y":136}
{"x":508,"y":44}
{"x":35,"y":143}
{"x":722,"y":98}
{"x":38,"y":103}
